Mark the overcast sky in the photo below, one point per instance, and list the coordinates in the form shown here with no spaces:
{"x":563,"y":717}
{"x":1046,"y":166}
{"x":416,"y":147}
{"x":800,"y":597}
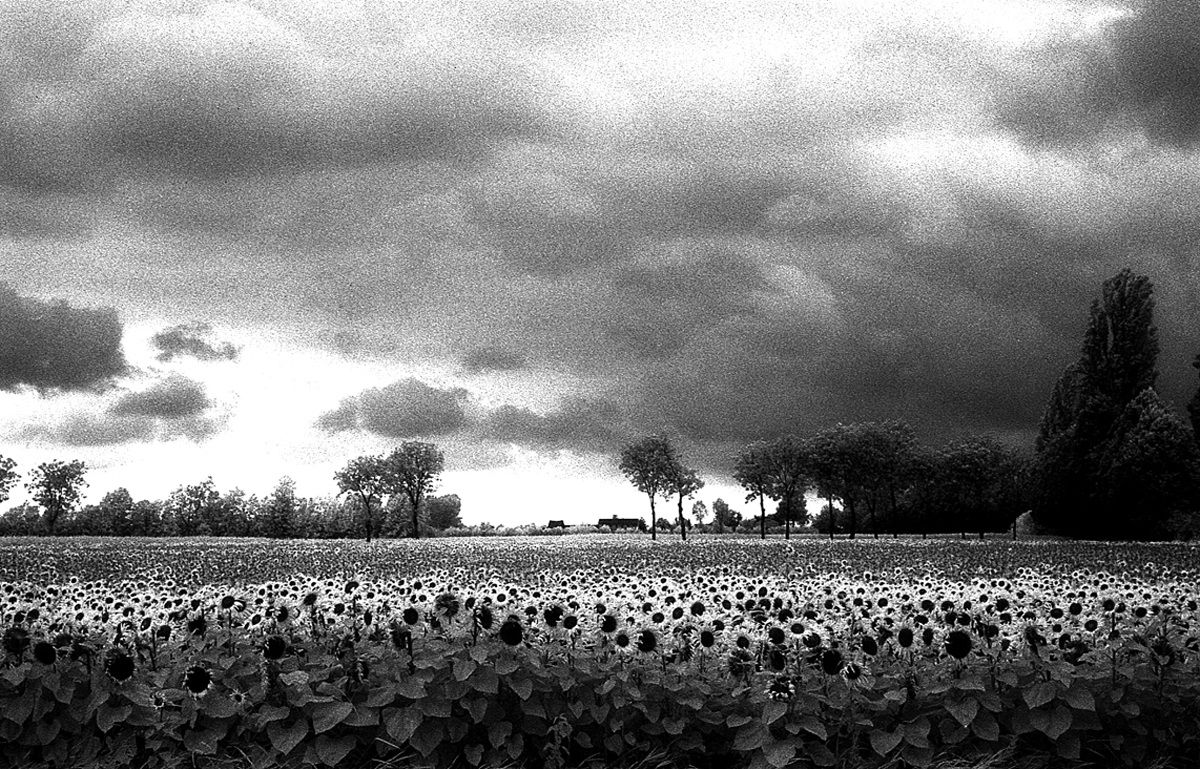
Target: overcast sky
{"x":256,"y":239}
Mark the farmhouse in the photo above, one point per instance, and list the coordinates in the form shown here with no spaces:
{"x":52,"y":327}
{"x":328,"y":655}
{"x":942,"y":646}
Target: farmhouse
{"x":616,"y":523}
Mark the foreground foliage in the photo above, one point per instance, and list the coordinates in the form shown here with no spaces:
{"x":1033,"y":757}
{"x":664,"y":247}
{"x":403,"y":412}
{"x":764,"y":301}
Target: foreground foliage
{"x":842,"y":654}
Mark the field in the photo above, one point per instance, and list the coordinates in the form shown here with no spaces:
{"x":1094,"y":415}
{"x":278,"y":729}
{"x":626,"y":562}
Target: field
{"x":598,"y":650}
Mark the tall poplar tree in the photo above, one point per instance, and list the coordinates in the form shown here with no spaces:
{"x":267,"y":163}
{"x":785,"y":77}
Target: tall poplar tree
{"x":1194,"y":406}
{"x":1079,"y":436}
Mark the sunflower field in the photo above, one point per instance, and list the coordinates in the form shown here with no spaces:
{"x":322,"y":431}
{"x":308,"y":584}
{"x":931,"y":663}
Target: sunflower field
{"x":597,"y":651}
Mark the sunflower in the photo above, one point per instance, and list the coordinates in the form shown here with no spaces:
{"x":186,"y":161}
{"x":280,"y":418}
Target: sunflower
{"x":197,"y":680}
{"x":119,"y":667}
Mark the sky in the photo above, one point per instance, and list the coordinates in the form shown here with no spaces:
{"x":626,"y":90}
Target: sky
{"x":254,"y":239}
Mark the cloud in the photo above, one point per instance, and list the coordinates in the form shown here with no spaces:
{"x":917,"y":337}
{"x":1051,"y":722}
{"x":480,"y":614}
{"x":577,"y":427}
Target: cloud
{"x":55,"y":346}
{"x":192,"y":339}
{"x":87,"y":428}
{"x":1137,"y":78}
{"x":579,"y":423}
{"x":231,"y":88}
{"x":719,"y":224}
{"x":171,"y":408}
{"x":404,"y":409}
{"x":1156,"y":69}
{"x":493,"y":359}
{"x":173,"y":398}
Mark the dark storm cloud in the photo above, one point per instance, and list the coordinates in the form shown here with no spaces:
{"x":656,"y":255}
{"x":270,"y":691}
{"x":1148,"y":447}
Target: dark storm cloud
{"x":494,"y":359}
{"x":720,"y":224}
{"x":1156,"y":69}
{"x":99,"y":91}
{"x":194,"y":340}
{"x":52,"y":345}
{"x":404,"y":409}
{"x":579,"y":424}
{"x":1143,"y":75}
{"x":172,"y":398}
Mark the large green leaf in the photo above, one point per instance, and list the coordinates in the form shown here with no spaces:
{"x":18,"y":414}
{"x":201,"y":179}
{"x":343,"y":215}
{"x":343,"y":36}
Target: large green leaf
{"x":286,"y":736}
{"x":522,"y":686}
{"x":499,"y":732}
{"x":779,"y":753}
{"x":326,"y":715}
{"x":108,"y":716}
{"x":1039,"y":694}
{"x":884,"y":741}
{"x":751,"y":737}
{"x":964,"y":710}
{"x":401,"y":723}
{"x":773,"y":711}
{"x":331,"y":750}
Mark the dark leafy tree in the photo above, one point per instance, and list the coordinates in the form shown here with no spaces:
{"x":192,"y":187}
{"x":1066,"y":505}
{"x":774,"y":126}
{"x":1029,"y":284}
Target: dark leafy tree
{"x":648,"y":465}
{"x":752,"y":471}
{"x":1120,"y":347}
{"x":279,"y":511}
{"x":1116,"y":364}
{"x":57,"y":487}
{"x":724,"y":517}
{"x":192,"y":508}
{"x":22,"y":520}
{"x":788,"y":461}
{"x":146,"y":519}
{"x":682,"y":482}
{"x":8,"y":477}
{"x":1194,"y":405}
{"x":831,"y":474}
{"x":414,"y":470}
{"x":117,"y":509}
{"x":1150,"y":474}
{"x":367,"y":479}
{"x":444,"y":512}
{"x":981,"y":484}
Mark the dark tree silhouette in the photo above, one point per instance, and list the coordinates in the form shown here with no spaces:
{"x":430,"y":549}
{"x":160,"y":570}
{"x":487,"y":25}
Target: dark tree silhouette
{"x":1194,"y":405}
{"x":683,"y":482}
{"x":649,"y":464}
{"x":752,"y":471}
{"x":1087,"y":429}
{"x":368,"y":478}
{"x":8,"y":477}
{"x":414,"y":470}
{"x":57,"y":487}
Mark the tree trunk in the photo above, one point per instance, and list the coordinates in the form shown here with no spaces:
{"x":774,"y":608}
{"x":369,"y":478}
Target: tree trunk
{"x":416,"y":513}
{"x":762,"y":515}
{"x":653,"y":520}
{"x":682,"y":527}
{"x":832,"y":517}
{"x":895,"y":520}
{"x":853,"y":517}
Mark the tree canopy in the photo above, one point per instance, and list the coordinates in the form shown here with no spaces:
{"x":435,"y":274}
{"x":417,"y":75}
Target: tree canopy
{"x":57,"y":486}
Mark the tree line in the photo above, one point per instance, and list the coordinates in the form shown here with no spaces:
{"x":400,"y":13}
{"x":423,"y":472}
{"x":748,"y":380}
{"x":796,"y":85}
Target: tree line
{"x":874,"y":477}
{"x":379,"y":496}
{"x":1112,"y":459}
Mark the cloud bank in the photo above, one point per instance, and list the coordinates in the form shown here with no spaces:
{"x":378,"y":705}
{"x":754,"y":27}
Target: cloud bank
{"x":722,"y":224}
